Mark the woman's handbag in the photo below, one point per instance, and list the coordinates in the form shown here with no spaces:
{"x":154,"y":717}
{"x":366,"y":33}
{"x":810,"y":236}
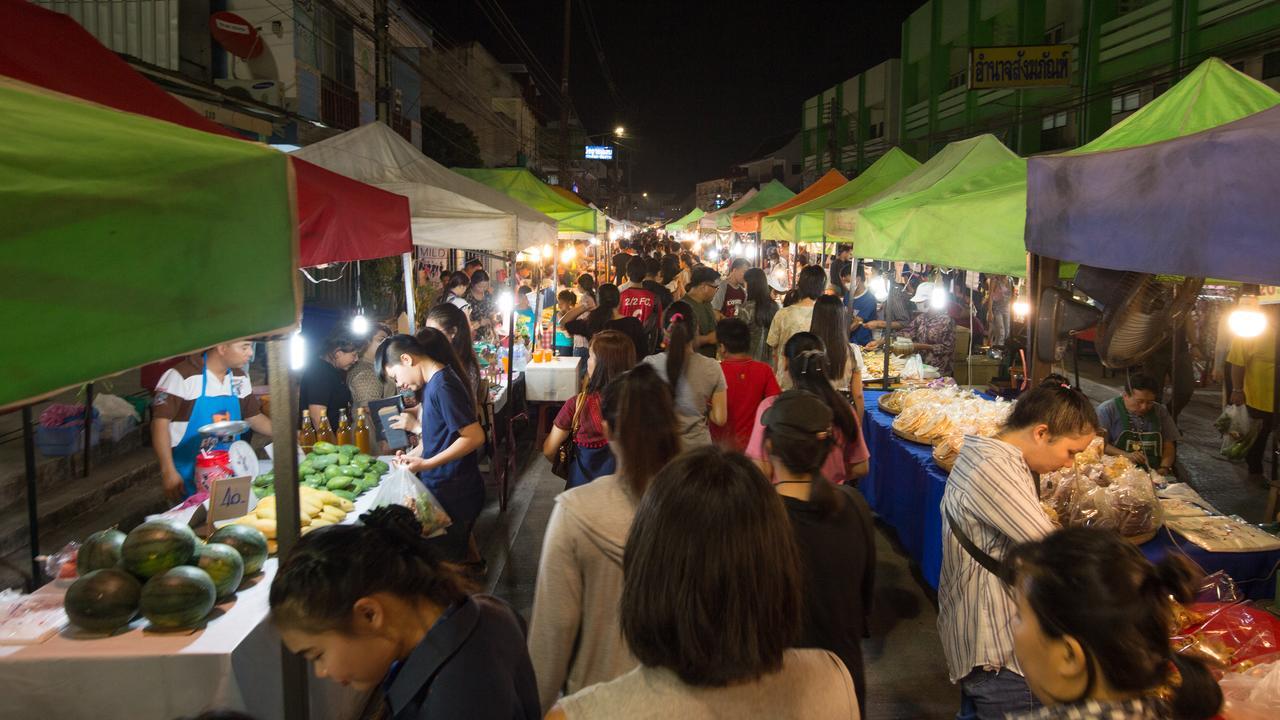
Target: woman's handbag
{"x":567,"y":453}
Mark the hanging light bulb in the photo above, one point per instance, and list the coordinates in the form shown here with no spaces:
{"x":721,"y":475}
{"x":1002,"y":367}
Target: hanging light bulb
{"x":546,"y":250}
{"x":568,"y":254}
{"x":938,"y":296}
{"x":359,"y":323}
{"x":1247,"y":320}
{"x":713,"y":254}
{"x":736,"y":249}
{"x":506,"y":303}
{"x":297,"y":351}
{"x":879,"y":288}
{"x":1021,"y":309}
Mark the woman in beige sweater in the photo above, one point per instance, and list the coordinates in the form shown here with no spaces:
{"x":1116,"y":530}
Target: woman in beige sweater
{"x":574,"y":637}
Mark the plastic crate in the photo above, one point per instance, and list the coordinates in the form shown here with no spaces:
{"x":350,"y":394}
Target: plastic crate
{"x":66,"y":440}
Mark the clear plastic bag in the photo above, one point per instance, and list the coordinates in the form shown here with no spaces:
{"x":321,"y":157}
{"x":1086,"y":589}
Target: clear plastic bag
{"x":1133,"y":499}
{"x":1227,"y":635}
{"x":1238,"y":432}
{"x":1253,"y":694}
{"x":402,"y":487}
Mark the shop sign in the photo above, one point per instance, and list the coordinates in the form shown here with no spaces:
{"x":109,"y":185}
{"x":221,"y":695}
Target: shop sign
{"x":1268,"y":295}
{"x":1019,"y":66}
{"x":599,"y":152}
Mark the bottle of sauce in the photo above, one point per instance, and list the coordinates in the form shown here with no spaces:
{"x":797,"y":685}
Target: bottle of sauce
{"x":306,"y":432}
{"x":364,"y":440}
{"x":324,"y":433}
{"x":346,"y":433}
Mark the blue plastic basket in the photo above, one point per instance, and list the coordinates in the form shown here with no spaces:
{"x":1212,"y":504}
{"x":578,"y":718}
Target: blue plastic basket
{"x":66,"y":440}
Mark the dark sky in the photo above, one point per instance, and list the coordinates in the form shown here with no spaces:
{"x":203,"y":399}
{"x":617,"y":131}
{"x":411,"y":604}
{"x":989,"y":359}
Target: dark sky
{"x":700,"y":84}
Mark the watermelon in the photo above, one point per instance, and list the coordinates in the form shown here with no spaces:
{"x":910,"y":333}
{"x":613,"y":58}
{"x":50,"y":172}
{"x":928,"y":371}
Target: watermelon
{"x":103,"y":601}
{"x":178,"y":598}
{"x":224,"y":565}
{"x":156,"y":546}
{"x":100,"y":550}
{"x":248,"y":541}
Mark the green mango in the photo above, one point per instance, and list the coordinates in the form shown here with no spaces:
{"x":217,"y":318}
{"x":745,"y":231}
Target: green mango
{"x":323,"y":461}
{"x":345,"y":494}
{"x":324,"y":448}
{"x":380,"y":467}
{"x":261,"y":491}
{"x":332,"y":471}
{"x":350,"y":471}
{"x":362,"y":460}
{"x":349,"y":449}
{"x":338,"y":483}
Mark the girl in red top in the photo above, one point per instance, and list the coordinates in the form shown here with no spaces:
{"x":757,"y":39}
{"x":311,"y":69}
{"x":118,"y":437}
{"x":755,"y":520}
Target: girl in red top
{"x":611,"y":354}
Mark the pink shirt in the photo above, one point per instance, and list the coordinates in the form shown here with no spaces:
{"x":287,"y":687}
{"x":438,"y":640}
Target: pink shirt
{"x":842,"y":454}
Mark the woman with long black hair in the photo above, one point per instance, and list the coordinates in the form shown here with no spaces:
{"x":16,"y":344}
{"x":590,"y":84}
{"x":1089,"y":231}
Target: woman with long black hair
{"x":805,"y":362}
{"x":696,"y":381}
{"x":757,"y":312}
{"x":445,"y":460}
{"x":453,"y":322}
{"x":844,"y":359}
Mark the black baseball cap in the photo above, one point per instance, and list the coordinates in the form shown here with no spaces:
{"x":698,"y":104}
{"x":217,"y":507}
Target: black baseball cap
{"x":798,"y":411}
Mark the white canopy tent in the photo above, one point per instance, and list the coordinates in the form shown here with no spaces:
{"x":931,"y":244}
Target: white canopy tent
{"x":446,"y":209}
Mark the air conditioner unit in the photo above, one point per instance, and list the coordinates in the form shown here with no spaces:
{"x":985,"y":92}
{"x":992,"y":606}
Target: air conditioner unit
{"x":267,"y":92}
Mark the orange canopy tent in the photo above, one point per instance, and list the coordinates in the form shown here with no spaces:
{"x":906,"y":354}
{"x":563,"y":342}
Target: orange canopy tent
{"x":750,"y":222}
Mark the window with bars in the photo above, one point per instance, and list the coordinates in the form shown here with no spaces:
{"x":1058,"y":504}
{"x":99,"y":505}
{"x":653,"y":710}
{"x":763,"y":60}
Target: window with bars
{"x":1055,"y":131}
{"x":959,"y":78}
{"x":1271,"y":65}
{"x":339,"y":102}
{"x":1053,"y":36}
{"x":1128,"y":102}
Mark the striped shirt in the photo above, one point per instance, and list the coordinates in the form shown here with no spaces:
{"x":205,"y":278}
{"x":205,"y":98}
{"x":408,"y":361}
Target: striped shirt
{"x":179,"y":388}
{"x":992,"y":497}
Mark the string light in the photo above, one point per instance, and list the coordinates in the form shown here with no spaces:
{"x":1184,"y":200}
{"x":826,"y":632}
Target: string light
{"x":297,"y":351}
{"x":1247,"y":320}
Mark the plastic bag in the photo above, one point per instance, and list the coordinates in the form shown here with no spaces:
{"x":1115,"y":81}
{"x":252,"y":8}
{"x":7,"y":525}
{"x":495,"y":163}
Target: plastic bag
{"x":401,"y":487}
{"x":1227,"y":635}
{"x":110,"y":407}
{"x":1133,"y":498}
{"x":1253,"y":694}
{"x":1238,"y":432}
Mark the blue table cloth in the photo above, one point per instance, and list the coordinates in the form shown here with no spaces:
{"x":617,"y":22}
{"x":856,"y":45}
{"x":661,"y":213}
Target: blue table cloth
{"x":904,"y":487}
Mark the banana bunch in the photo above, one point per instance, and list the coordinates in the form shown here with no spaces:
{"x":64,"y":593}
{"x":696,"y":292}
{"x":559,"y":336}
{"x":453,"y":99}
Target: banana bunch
{"x":318,"y":509}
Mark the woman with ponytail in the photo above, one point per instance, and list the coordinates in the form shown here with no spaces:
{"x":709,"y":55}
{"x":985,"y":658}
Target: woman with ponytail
{"x":574,"y":635}
{"x":445,"y":460}
{"x":804,"y":359}
{"x":696,"y":381}
{"x":832,"y":526}
{"x":372,"y":606}
{"x":1092,"y":631}
{"x":453,"y":322}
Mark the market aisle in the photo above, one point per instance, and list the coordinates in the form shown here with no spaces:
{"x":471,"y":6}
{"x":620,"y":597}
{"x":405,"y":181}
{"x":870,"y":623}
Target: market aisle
{"x":905,"y":669}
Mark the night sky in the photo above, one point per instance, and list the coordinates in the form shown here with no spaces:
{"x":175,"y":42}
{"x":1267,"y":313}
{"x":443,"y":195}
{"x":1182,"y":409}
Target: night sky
{"x":700,"y":85}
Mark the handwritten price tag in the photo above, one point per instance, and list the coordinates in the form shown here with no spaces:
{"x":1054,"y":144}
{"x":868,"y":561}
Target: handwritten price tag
{"x":228,"y":499}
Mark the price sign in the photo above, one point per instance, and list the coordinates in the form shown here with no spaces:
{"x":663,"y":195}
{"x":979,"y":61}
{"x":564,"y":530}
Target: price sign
{"x":228,"y":499}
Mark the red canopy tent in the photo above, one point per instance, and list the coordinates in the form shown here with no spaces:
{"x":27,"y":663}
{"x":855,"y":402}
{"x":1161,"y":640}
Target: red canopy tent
{"x":339,"y":219}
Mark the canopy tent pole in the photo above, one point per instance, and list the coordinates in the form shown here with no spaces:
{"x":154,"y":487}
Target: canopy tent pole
{"x":88,"y":428}
{"x":1042,"y":273}
{"x":888,"y":328}
{"x":511,"y":320}
{"x":33,"y":517}
{"x":410,"y":302}
{"x":284,"y":438}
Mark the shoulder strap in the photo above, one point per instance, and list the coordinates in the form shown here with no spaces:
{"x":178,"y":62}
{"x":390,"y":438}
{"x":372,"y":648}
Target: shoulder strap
{"x":987,"y":562}
{"x":577,"y":411}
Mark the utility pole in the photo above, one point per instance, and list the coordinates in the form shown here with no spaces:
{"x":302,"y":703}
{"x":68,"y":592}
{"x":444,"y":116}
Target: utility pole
{"x":382,"y":59}
{"x":564,"y":98}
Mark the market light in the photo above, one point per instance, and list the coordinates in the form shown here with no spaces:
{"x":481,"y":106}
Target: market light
{"x":546,"y":250}
{"x":297,"y":351}
{"x":619,"y":131}
{"x":749,"y":250}
{"x":736,"y":250}
{"x":938,"y":297}
{"x":1247,"y":320}
{"x":879,"y":288}
{"x":595,"y":240}
{"x":506,"y":303}
{"x":360,"y":324}
{"x":713,"y":254}
{"x":568,"y":254}
{"x":1021,"y":309}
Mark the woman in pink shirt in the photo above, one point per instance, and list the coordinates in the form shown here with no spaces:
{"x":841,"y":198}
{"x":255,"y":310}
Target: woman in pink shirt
{"x":804,"y":358}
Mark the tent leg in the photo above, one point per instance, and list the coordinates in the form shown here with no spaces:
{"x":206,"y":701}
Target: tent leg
{"x":88,"y":427}
{"x":410,"y":302}
{"x":33,"y":516}
{"x":284,"y":438}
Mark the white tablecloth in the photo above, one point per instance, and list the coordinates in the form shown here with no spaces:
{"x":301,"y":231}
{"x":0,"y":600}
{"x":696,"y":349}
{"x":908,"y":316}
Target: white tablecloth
{"x":554,"y":381}
{"x":234,"y":663}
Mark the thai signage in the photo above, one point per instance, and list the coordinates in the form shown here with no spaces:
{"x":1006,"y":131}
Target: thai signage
{"x":599,"y":152}
{"x":1019,"y":66}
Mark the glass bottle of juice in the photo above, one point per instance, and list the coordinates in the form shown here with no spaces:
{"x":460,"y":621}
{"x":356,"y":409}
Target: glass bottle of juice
{"x":306,"y":432}
{"x":324,"y":433}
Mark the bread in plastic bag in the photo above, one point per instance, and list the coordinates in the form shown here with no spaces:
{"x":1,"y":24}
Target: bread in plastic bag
{"x":402,"y":487}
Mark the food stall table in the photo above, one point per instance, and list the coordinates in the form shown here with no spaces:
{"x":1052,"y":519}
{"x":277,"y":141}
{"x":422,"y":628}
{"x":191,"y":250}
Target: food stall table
{"x":233,"y":663}
{"x":905,"y":486}
{"x":547,"y":386}
{"x":506,"y":403}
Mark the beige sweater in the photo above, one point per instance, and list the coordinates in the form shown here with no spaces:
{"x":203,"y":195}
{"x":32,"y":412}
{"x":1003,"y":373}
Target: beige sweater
{"x":574,"y":635}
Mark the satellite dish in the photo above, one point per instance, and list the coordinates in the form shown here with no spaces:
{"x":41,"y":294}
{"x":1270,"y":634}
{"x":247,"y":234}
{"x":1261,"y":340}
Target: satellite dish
{"x":236,"y":35}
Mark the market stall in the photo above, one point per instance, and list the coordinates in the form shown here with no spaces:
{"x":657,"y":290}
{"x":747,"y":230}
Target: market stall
{"x":721,"y":220}
{"x":746,"y":217}
{"x":906,"y":484}
{"x":339,"y":220}
{"x":571,"y":215}
{"x":689,"y":221}
{"x":752,"y":221}
{"x":805,"y":223}
{"x":119,"y":219}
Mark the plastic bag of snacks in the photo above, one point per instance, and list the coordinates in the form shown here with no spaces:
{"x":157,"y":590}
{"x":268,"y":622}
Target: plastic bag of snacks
{"x":1226,"y":635}
{"x":402,"y":487}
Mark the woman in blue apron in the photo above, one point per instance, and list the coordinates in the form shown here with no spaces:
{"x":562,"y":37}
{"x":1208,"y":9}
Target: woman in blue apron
{"x":207,"y":409}
{"x":1138,"y":436}
{"x":611,"y":353}
{"x":445,"y":460}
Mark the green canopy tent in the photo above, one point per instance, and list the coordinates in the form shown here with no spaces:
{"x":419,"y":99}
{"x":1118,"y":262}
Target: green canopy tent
{"x":979,"y":223}
{"x":721,"y":220}
{"x":744,"y":215}
{"x":129,"y":239}
{"x":521,"y":185}
{"x":690,"y":218}
{"x":804,"y":223}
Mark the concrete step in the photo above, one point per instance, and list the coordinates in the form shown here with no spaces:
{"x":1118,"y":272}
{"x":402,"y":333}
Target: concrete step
{"x":55,"y":472}
{"x":119,"y":492}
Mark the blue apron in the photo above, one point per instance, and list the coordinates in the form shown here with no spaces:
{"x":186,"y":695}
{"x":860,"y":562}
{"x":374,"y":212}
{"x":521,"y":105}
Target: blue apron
{"x":207,"y":409}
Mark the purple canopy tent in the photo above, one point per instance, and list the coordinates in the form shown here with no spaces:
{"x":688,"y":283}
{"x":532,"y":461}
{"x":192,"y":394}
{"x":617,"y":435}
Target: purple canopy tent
{"x":1202,"y":205}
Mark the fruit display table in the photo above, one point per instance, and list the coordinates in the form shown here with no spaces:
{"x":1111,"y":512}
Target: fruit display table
{"x":233,"y":663}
